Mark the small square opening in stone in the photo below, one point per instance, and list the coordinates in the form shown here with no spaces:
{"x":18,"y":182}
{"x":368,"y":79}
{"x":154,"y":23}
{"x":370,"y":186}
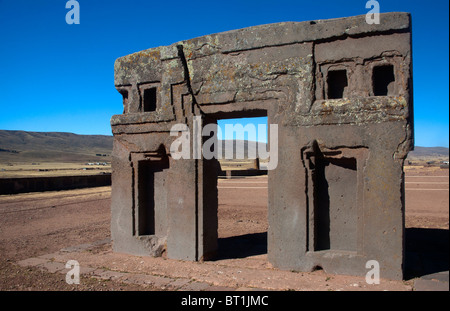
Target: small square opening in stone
{"x":149,"y":99}
{"x":383,"y":80}
{"x":337,"y":82}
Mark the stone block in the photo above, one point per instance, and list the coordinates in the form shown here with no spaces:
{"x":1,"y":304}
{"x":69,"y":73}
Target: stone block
{"x":340,"y":92}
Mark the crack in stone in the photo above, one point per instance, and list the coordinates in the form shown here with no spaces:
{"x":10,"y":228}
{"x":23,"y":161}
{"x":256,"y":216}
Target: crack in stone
{"x":187,"y":77}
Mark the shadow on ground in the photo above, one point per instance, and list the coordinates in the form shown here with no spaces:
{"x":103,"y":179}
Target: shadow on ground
{"x":427,"y":251}
{"x":242,"y":246}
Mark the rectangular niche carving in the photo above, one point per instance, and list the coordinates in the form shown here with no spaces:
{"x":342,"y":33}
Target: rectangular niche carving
{"x":383,"y":80}
{"x":335,"y":196}
{"x":149,"y":99}
{"x":149,"y":93}
{"x":151,"y":197}
{"x":337,"y":83}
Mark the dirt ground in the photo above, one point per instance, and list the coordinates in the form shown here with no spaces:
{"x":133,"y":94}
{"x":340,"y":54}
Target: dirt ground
{"x":41,"y":231}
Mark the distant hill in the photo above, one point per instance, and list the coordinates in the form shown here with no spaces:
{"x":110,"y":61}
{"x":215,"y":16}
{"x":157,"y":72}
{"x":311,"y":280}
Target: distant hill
{"x":242,"y":146}
{"x":21,"y":146}
{"x":429,"y":152}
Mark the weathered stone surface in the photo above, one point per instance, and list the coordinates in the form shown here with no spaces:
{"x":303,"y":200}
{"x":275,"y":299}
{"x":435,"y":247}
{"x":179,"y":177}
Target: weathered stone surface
{"x":341,"y":93}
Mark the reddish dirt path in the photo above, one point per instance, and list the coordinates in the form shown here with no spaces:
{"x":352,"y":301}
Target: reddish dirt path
{"x":37,"y":224}
{"x":427,"y":198}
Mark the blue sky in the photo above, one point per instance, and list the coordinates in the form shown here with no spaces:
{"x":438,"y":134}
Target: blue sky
{"x":228,"y":129}
{"x":59,"y":77}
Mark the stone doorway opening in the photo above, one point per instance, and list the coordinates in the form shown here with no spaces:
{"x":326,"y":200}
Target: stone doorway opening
{"x":242,"y":186}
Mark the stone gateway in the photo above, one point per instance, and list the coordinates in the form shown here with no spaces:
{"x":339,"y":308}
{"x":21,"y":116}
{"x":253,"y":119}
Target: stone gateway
{"x":340,"y":92}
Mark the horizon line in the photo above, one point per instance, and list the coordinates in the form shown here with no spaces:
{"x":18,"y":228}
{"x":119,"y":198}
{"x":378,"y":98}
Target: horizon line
{"x":217,"y":139}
